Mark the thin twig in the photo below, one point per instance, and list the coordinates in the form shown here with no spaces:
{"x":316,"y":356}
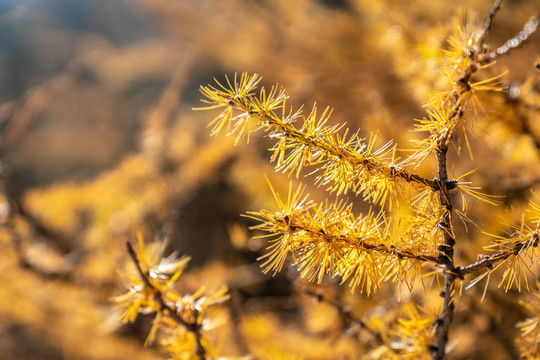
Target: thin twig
{"x":410,"y":177}
{"x":363,"y":244}
{"x":194,"y":328}
{"x":346,"y":313}
{"x":487,"y":26}
{"x":10,"y":187}
{"x":270,"y":120}
{"x":528,"y":29}
{"x":488,"y":261}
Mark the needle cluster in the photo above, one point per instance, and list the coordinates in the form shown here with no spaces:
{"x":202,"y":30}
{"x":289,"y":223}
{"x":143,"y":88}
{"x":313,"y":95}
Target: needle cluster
{"x":181,"y":321}
{"x":384,"y":244}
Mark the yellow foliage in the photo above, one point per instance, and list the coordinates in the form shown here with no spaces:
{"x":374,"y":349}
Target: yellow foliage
{"x":425,"y":257}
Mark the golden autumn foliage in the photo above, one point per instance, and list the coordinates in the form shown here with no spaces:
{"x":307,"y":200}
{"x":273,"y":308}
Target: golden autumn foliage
{"x":401,"y":224}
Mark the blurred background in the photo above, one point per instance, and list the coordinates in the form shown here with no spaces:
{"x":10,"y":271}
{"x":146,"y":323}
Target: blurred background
{"x":99,"y":142}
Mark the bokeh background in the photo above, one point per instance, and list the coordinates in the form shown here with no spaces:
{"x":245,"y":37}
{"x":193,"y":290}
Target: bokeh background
{"x":99,"y":142}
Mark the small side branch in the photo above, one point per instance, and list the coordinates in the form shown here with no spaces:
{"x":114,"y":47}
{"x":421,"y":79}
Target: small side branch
{"x":361,"y":244}
{"x":10,"y":187}
{"x":410,"y":177}
{"x":488,"y":261}
{"x":349,"y":161}
{"x":490,"y":16}
{"x":528,"y":29}
{"x":135,"y":259}
{"x":169,"y":309}
{"x":301,"y":137}
{"x":345,"y":312}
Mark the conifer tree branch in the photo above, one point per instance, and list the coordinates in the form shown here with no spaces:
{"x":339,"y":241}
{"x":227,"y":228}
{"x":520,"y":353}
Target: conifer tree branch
{"x":361,"y":162}
{"x":314,"y":144}
{"x":328,"y":241}
{"x":489,"y":19}
{"x":166,"y":307}
{"x":361,"y":244}
{"x":411,"y":177}
{"x":528,"y":29}
{"x":487,"y":262}
{"x":447,"y":257}
{"x":460,"y":97}
{"x":461,"y":94}
{"x":338,"y":245}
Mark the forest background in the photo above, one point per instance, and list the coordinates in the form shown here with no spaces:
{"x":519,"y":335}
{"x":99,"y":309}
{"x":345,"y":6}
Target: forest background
{"x":99,"y":143}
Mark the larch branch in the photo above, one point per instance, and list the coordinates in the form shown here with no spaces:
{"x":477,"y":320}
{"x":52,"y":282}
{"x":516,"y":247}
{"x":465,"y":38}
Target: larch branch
{"x":164,"y":306}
